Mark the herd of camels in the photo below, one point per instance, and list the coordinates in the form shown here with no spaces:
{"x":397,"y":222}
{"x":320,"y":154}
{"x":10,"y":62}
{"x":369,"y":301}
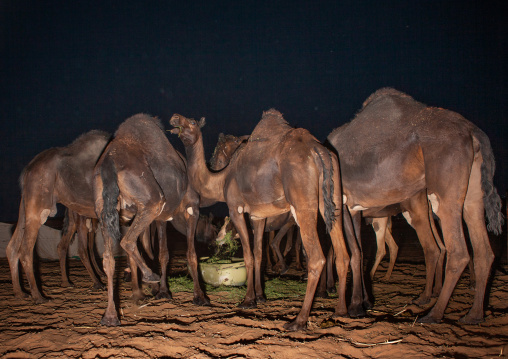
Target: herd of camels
{"x":397,"y":155}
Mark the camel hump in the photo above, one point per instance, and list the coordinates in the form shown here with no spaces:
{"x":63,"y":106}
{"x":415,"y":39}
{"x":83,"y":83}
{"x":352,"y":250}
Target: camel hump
{"x":385,"y":92}
{"x":272,"y":126}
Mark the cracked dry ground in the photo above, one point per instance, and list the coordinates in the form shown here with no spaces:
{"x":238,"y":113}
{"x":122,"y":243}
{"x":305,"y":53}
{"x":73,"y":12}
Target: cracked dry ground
{"x":68,"y":325}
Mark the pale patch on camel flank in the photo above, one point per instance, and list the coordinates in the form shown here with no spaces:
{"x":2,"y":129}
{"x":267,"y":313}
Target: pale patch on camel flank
{"x":44,"y":215}
{"x":344,"y":199}
{"x":407,"y":216}
{"x":293,"y":212}
{"x":358,"y":208}
{"x":88,"y":223}
{"x":434,"y":202}
{"x":190,"y":211}
{"x":240,"y":209}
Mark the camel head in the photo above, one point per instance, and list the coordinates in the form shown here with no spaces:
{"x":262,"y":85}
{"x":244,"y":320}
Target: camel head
{"x":187,"y":129}
{"x":224,"y":150}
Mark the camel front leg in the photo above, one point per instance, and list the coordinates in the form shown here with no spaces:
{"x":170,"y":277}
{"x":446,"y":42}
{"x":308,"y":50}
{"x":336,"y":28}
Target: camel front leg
{"x":259,"y":229}
{"x":63,"y":246}
{"x":192,"y":258}
{"x":241,"y":227}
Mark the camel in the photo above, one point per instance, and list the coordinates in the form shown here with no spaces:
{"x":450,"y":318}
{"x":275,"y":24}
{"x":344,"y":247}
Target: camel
{"x":222,"y":154}
{"x":399,"y":150}
{"x":279,"y":170}
{"x":140,"y":176}
{"x":284,"y":223}
{"x":56,"y":175}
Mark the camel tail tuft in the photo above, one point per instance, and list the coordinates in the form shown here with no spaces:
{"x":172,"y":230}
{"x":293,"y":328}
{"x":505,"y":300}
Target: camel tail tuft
{"x":491,"y":200}
{"x":109,"y":216}
{"x":328,"y":187}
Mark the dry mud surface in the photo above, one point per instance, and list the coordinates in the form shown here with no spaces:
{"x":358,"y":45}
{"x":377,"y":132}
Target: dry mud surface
{"x":68,"y":325}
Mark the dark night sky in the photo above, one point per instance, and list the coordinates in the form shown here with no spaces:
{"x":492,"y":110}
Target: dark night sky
{"x":67,"y":67}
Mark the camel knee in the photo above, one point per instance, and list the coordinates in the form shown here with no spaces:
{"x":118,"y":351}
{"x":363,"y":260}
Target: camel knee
{"x":457,"y":261}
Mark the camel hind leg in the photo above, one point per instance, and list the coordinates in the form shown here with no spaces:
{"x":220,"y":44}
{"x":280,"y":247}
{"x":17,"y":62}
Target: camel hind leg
{"x":380,"y":228}
{"x":307,"y":221}
{"x":483,"y":256}
{"x":393,"y":249}
{"x":13,"y":253}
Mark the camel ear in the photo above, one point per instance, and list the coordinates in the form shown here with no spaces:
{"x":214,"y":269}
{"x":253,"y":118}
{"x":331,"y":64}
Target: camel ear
{"x":202,"y":122}
{"x":221,"y":136}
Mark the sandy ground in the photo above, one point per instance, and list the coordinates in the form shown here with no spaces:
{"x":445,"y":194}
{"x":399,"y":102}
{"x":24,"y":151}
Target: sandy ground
{"x":68,"y":325}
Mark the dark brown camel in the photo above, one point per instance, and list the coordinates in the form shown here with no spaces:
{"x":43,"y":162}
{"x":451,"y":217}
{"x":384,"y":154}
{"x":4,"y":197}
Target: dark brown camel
{"x":396,"y":149}
{"x":226,"y":146}
{"x":281,"y":169}
{"x":53,"y":176}
{"x":141,"y":175}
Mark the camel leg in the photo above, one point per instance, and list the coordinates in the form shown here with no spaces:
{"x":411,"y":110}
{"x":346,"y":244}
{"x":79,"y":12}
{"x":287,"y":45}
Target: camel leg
{"x":271,"y":235}
{"x":110,"y":317}
{"x":192,"y":221}
{"x":163,"y":292}
{"x":91,"y":246}
{"x":438,"y":278}
{"x":289,"y":240}
{"x":63,"y":246}
{"x":393,"y":248}
{"x":137,"y":291}
{"x":280,"y":266}
{"x":27,"y":257}
{"x":142,"y":221}
{"x":483,"y":257}
{"x":355,"y":308}
{"x":83,"y":252}
{"x":13,"y":253}
{"x":316,"y":261}
{"x":419,"y":219}
{"x":146,"y":240}
{"x":259,"y":229}
{"x":379,"y":225}
{"x":330,"y":280}
{"x":239,"y":221}
{"x":298,"y":250}
{"x":456,"y":260}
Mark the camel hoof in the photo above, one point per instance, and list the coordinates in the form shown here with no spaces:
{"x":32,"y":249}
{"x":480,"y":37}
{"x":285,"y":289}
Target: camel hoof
{"x":467,"y":319}
{"x":152,"y":278}
{"x":331,"y":290}
{"x":260,"y":299}
{"x":67,"y":284}
{"x":250,"y":304}
{"x":163,"y":295}
{"x":22,"y":295}
{"x":110,"y":322}
{"x":294,"y":326}
{"x":41,"y":300}
{"x":127,"y":277}
{"x":421,"y":301}
{"x":357,"y":312}
{"x":320,"y":294}
{"x":428,"y":319}
{"x":99,"y":286}
{"x":202,"y":301}
{"x":367,"y":305}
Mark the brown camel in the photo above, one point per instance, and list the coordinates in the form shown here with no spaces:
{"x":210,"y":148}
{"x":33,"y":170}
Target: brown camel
{"x":54,"y":176}
{"x":141,"y":175}
{"x":280,"y":170}
{"x":226,"y":146}
{"x":396,"y":149}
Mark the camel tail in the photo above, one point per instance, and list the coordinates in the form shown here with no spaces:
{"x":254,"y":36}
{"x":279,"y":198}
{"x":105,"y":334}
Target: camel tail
{"x":327,"y":186}
{"x":110,"y":192}
{"x":491,"y":199}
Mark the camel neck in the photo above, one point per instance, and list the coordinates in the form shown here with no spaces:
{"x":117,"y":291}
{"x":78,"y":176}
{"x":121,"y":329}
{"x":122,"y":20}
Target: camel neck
{"x":209,"y":185}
